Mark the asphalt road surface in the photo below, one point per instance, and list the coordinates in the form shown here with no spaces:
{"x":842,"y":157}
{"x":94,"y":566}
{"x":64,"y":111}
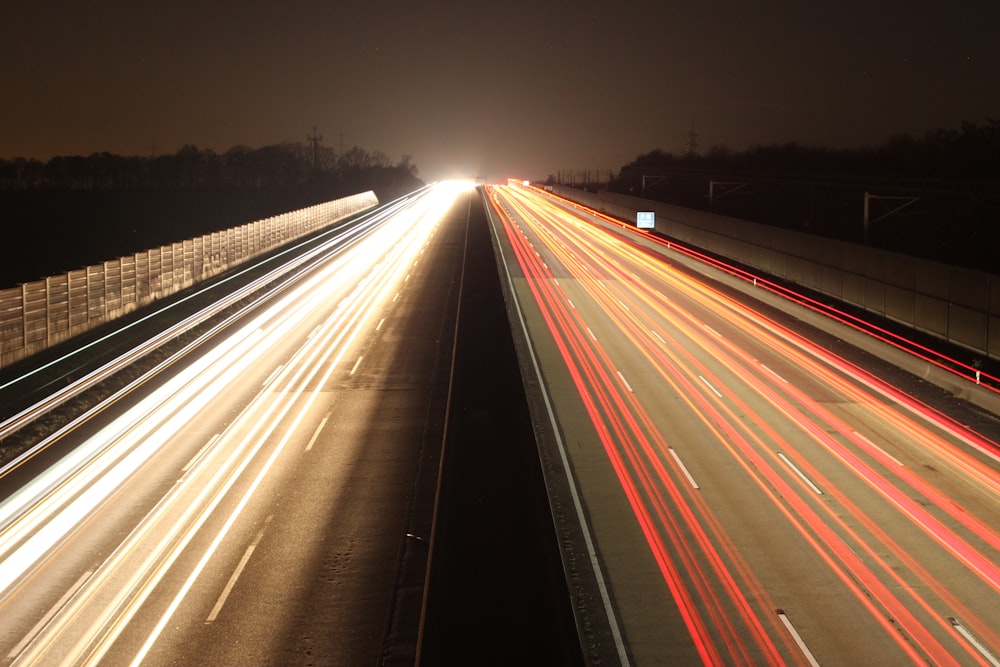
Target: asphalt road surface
{"x":753,"y":498}
{"x":269,"y":498}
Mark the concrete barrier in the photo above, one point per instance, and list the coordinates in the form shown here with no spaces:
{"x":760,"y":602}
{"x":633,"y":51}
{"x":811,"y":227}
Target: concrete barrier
{"x":875,"y":282}
{"x":957,"y":305}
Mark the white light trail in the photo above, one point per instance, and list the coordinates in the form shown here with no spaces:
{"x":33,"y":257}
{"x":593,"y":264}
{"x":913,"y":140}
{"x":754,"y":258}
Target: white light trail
{"x":46,"y":512}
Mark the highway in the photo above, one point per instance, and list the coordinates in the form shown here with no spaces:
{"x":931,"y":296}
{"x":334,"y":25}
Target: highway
{"x":253,"y":502}
{"x":748,"y":496}
{"x":724,"y":489}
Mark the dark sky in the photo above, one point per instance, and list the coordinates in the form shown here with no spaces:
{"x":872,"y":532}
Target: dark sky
{"x":496,"y":89}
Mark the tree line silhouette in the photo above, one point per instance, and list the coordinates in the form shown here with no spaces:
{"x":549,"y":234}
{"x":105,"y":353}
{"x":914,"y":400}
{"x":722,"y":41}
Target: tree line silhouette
{"x":278,"y":166}
{"x":950,"y":177}
{"x":72,"y":211}
{"x":971,"y":153}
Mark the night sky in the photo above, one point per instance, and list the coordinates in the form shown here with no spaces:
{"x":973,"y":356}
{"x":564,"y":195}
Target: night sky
{"x":495,"y":89}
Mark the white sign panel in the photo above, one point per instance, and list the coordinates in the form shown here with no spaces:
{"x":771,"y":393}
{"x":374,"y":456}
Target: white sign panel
{"x":645,"y":219}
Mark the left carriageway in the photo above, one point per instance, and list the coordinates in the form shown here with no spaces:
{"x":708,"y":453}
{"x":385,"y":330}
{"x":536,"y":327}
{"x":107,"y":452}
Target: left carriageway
{"x":247,"y":498}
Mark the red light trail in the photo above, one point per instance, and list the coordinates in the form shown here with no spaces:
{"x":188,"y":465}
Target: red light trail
{"x":898,"y":503}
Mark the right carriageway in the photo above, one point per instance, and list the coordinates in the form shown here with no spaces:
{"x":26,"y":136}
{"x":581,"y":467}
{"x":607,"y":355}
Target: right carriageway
{"x":751,"y":497}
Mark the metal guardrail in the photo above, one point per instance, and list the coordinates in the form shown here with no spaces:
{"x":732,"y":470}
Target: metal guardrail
{"x":39,"y":314}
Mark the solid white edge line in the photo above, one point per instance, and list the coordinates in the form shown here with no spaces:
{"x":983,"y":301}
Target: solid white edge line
{"x":315,"y":435}
{"x":798,"y":640}
{"x":683,"y":468}
{"x":974,"y":641}
{"x":49,"y":614}
{"x":561,"y":447}
{"x":800,"y":474}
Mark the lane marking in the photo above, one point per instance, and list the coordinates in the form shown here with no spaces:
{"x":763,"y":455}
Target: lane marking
{"x":406,"y":278}
{"x":798,"y":640}
{"x":800,"y":474}
{"x":683,"y":468}
{"x":574,"y":490}
{"x":713,"y":331}
{"x":395,"y":298}
{"x":625,"y":382}
{"x":237,"y":572}
{"x":624,"y":306}
{"x":315,"y":435}
{"x":356,"y":364}
{"x":974,"y":641}
{"x":378,"y":326}
{"x":591,"y":333}
{"x":709,"y":385}
{"x":764,"y":366}
{"x":49,"y":614}
{"x":570,"y":302}
{"x":658,"y":337}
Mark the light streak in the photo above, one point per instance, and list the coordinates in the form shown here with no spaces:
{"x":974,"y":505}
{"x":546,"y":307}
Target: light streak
{"x":43,"y":515}
{"x":640,"y":310}
{"x":286,"y":261}
{"x":588,"y":538}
